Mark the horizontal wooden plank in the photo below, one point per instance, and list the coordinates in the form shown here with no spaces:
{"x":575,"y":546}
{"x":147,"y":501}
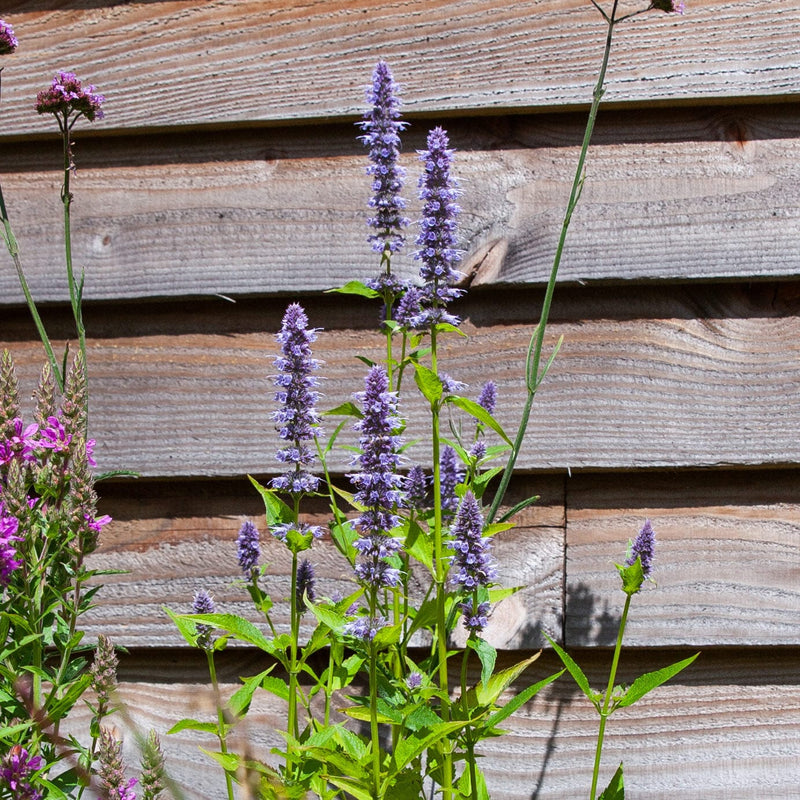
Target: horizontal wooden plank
{"x":234,"y":62}
{"x":724,"y":728}
{"x":704,"y":193}
{"x":171,"y":541}
{"x":727,"y":567}
{"x":702,"y":376}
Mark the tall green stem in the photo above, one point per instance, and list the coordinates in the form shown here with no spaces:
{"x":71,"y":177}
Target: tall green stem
{"x":221,"y":734}
{"x":535,"y":351}
{"x":604,"y":713}
{"x":13,"y":250}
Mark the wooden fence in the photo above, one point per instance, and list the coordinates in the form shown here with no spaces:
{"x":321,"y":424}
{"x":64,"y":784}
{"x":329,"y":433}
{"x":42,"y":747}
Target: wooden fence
{"x":227,"y":167}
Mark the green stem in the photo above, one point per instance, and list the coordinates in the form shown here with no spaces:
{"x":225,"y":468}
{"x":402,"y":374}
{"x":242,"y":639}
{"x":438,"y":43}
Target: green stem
{"x":75,"y":291}
{"x":221,"y":735}
{"x":292,"y":726}
{"x":605,"y":713}
{"x":537,"y":340}
{"x":13,"y":250}
{"x":373,"y":706}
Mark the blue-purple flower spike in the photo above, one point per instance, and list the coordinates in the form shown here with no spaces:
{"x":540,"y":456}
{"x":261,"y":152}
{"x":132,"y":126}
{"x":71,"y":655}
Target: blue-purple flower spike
{"x":297,"y":421}
{"x":382,"y":126}
{"x":437,"y":237}
{"x":306,"y":581}
{"x":473,"y":565}
{"x":248,"y":547}
{"x":643,"y":547}
{"x":378,"y":486}
{"x":451,"y":476}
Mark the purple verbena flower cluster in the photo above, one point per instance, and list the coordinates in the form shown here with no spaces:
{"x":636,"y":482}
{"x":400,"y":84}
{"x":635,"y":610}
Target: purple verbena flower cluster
{"x":67,"y":97}
{"x":643,"y":547}
{"x":382,"y":126}
{"x":8,"y":42}
{"x":17,"y":767}
{"x":437,"y":237}
{"x":670,"y":6}
{"x":378,"y":485}
{"x":297,"y":419}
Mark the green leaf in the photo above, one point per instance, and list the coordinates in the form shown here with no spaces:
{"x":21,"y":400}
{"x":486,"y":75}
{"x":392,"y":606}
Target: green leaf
{"x":465,"y":785}
{"x":238,"y":627}
{"x":347,"y":409}
{"x":520,"y":699}
{"x":409,"y":747}
{"x":428,"y":382}
{"x":577,"y":673}
{"x":488,"y":692}
{"x":616,"y":789}
{"x":479,"y":412}
{"x":194,"y":725}
{"x":329,"y":616}
{"x":354,"y":287}
{"x":486,"y":653}
{"x":650,"y":680}
{"x":419,"y":545}
{"x":276,"y":686}
{"x":277,"y":510}
{"x":240,"y":699}
{"x":519,"y":506}
{"x":632,"y":576}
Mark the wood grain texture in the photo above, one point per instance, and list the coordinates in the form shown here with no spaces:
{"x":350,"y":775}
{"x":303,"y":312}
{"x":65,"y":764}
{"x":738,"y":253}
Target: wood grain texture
{"x":691,"y":377}
{"x":724,"y":728}
{"x":173,"y":540}
{"x":231,"y":62}
{"x":701,"y":194}
{"x":727,"y":559}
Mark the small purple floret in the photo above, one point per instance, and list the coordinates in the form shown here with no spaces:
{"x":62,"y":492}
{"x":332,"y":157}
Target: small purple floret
{"x":8,"y":42}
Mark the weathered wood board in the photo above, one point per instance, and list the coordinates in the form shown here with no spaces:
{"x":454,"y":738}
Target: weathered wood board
{"x":704,"y":194}
{"x":685,"y":740}
{"x":681,"y":377}
{"x":231,"y":62}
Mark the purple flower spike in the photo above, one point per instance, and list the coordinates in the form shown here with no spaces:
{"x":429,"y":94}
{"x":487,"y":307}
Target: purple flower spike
{"x":203,"y":603}
{"x":643,"y":547}
{"x":437,"y":236}
{"x":378,"y":486}
{"x":473,"y":565}
{"x":475,"y":617}
{"x":305,"y":584}
{"x":8,"y":554}
{"x":297,"y":420}
{"x":488,"y":396}
{"x":382,"y":126}
{"x":416,"y":486}
{"x":451,"y":476}
{"x":249,"y":549}
{"x":8,"y":42}
{"x":66,"y":97}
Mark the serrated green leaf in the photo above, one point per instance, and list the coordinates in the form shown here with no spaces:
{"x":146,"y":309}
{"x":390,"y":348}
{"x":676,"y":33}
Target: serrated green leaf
{"x":577,"y":673}
{"x":193,"y":725}
{"x":487,"y":655}
{"x":488,"y":692}
{"x":465,"y":785}
{"x":519,"y":700}
{"x":348,"y":409}
{"x":238,"y":627}
{"x":240,"y":700}
{"x":354,"y":287}
{"x":277,"y":511}
{"x":650,"y":680}
{"x":327,"y":615}
{"x":616,"y":789}
{"x":409,"y":747}
{"x":428,"y":382}
{"x":479,"y":412}
{"x":419,"y":545}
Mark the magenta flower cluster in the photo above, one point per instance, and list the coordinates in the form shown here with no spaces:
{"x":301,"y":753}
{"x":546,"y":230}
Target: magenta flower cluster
{"x":297,"y":421}
{"x":382,"y":126}
{"x":18,"y":766}
{"x":378,"y":485}
{"x":8,"y":42}
{"x":66,"y":98}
